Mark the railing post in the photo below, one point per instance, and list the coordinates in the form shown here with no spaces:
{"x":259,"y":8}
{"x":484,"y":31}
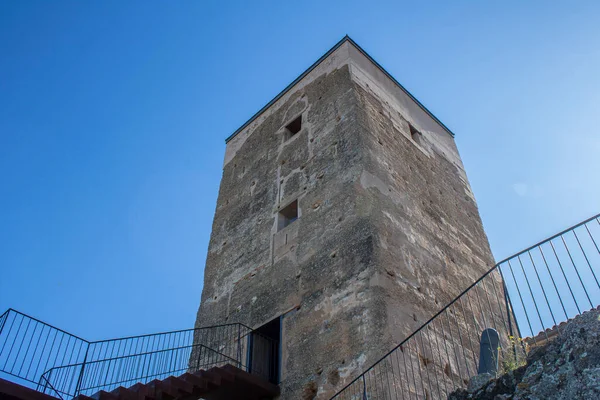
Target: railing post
{"x":249,"y":352}
{"x":80,"y":379}
{"x":39,"y":384}
{"x":239,"y":349}
{"x":509,"y":313}
{"x":507,"y":303}
{"x":47,"y":381}
{"x":198,"y":360}
{"x":364,"y":388}
{"x":49,"y":385}
{"x":4,"y":320}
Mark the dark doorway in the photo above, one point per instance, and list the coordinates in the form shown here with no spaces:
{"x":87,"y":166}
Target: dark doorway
{"x":265,"y":350}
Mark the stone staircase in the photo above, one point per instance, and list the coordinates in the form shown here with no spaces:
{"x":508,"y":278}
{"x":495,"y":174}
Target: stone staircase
{"x":217,"y":383}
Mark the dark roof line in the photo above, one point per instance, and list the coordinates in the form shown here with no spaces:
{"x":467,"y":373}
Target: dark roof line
{"x":314,"y":65}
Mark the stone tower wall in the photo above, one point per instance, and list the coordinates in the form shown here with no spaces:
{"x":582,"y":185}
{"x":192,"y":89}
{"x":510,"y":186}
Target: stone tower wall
{"x":388,"y":230}
{"x":429,"y":239}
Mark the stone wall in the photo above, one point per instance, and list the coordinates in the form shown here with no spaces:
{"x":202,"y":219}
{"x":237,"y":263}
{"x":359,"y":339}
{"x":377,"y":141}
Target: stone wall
{"x":429,"y":241}
{"x":318,"y":279}
{"x":387,"y":229}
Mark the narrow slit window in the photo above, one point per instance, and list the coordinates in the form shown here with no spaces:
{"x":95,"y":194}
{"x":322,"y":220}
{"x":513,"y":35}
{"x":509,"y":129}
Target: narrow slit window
{"x":415,"y":134}
{"x":287,"y":215}
{"x":293,"y":127}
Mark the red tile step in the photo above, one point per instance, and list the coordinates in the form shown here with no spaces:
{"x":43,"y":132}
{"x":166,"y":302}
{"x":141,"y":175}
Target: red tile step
{"x":218,"y":383}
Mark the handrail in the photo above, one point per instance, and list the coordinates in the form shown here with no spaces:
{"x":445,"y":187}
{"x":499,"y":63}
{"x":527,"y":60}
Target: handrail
{"x":30,"y":347}
{"x":501,"y":299}
{"x":170,"y":332}
{"x":41,"y":322}
{"x":107,"y":374}
{"x":49,"y":385}
{"x":34,"y":352}
{"x":113,"y":372}
{"x":595,"y":217}
{"x":117,"y":338}
{"x":139,"y":355}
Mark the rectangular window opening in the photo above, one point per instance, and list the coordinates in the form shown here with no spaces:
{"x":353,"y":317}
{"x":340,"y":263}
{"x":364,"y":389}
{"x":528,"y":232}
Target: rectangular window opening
{"x":287,"y":215}
{"x":415,"y":134}
{"x":293,"y":127}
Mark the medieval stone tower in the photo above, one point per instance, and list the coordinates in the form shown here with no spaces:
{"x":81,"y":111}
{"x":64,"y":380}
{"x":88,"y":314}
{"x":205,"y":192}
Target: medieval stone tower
{"x":344,"y":221}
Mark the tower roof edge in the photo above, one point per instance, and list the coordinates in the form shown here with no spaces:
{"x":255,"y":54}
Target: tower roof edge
{"x":345,"y":39}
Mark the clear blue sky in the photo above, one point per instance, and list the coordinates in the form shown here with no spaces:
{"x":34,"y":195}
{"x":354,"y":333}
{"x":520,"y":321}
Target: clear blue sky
{"x":113,"y":117}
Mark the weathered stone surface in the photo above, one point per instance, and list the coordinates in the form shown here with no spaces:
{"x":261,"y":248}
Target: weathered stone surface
{"x":476,"y":382}
{"x":388,"y":230}
{"x":567,"y":368}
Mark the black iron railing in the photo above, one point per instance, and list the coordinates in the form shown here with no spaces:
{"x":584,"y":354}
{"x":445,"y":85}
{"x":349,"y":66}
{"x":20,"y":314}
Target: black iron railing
{"x":28,"y":347}
{"x":236,"y":346}
{"x":71,"y":380}
{"x":521,"y":296}
{"x":56,"y":362}
{"x":223,"y":338}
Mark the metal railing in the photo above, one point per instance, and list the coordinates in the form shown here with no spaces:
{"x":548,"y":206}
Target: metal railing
{"x":71,"y":380}
{"x":528,"y":293}
{"x":522,"y":295}
{"x":223,"y":338}
{"x":236,"y":346}
{"x":28,"y":347}
{"x":56,"y":362}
